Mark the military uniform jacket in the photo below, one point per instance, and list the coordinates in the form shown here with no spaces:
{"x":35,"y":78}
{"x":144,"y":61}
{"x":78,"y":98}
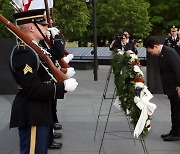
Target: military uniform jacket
{"x":173,"y":43}
{"x":32,"y":104}
{"x":169,"y":70}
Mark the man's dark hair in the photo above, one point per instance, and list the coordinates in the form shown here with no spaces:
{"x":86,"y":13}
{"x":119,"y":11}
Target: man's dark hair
{"x":153,"y":40}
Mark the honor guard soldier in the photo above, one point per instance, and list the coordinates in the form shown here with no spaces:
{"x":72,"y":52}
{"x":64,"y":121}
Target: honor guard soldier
{"x":173,"y":40}
{"x":54,"y":34}
{"x":32,"y":107}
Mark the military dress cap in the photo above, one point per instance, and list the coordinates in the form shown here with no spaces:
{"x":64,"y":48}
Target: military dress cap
{"x":31,"y":16}
{"x":174,"y":29}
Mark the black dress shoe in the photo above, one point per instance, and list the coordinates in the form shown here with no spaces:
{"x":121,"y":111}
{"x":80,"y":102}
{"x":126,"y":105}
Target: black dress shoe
{"x":57,"y":135}
{"x":171,"y":138}
{"x":55,"y":145}
{"x":57,"y":126}
{"x":165,"y":135}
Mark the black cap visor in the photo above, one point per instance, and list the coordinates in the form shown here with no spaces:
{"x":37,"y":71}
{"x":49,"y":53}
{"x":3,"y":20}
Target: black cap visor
{"x":41,"y":21}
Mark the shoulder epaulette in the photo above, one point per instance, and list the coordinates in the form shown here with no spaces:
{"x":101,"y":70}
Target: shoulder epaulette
{"x":27,"y":48}
{"x":21,"y":45}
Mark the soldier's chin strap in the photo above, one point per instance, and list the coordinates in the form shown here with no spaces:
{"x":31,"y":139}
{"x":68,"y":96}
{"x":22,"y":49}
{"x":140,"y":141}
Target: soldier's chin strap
{"x":46,"y":68}
{"x":35,"y":23}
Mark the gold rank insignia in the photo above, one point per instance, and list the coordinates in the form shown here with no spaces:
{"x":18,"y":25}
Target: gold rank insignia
{"x":27,"y":68}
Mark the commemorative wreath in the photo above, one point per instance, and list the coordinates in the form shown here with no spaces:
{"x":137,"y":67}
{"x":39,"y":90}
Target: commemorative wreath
{"x":132,"y":94}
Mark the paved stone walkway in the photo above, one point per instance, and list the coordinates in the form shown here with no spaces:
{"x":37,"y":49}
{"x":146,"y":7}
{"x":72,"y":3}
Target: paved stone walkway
{"x":78,"y":114}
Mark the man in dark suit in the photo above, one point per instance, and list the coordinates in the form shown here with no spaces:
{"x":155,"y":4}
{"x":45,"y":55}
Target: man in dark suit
{"x":170,"y":75}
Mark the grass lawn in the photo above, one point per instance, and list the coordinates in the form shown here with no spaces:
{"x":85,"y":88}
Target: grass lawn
{"x":71,"y":44}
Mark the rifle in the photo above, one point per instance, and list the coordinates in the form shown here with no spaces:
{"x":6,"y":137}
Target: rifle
{"x":16,"y":7}
{"x":53,"y":24}
{"x":61,"y":61}
{"x":59,"y":75}
{"x":50,"y":23}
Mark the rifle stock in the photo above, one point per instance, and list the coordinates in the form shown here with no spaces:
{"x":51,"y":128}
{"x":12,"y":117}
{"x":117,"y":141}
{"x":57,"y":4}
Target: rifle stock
{"x":64,"y":70}
{"x":59,"y":75}
{"x":63,"y":63}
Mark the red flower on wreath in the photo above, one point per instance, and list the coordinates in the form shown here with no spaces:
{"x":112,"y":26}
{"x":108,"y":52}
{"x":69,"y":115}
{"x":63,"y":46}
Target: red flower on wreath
{"x":133,"y":63}
{"x":138,"y":79}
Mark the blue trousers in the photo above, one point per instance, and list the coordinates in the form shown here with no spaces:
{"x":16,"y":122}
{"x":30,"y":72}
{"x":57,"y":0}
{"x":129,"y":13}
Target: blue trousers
{"x":34,"y":139}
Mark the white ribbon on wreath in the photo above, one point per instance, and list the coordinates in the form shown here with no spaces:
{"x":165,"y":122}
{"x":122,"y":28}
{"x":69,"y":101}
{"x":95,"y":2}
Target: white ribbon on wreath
{"x":146,"y":107}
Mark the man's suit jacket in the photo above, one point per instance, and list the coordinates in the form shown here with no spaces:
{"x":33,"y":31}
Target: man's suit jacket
{"x":169,"y":70}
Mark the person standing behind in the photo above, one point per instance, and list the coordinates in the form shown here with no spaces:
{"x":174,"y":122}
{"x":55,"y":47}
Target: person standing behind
{"x":173,"y":40}
{"x":170,"y":75}
{"x":32,"y":107}
{"x":120,"y":42}
{"x":133,"y":44}
{"x":126,"y":33}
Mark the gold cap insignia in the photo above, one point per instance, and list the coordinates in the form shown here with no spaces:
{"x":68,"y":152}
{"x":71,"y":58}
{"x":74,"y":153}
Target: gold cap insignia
{"x":27,"y":69}
{"x":174,"y":29}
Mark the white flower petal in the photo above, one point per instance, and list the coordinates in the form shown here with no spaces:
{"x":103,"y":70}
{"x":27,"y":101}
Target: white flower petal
{"x":139,"y":84}
{"x":136,"y":99}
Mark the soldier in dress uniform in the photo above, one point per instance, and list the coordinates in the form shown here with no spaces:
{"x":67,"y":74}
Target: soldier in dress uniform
{"x":32,"y":107}
{"x":173,"y":40}
{"x":55,"y":34}
{"x":52,"y":144}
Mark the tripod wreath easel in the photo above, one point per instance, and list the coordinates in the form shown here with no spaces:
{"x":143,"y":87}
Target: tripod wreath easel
{"x":114,"y":133}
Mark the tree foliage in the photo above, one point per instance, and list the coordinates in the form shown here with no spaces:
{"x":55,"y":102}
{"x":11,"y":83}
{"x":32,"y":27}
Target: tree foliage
{"x":114,"y":16}
{"x":163,"y":14}
{"x":7,"y":11}
{"x":73,"y":17}
{"x":140,"y":17}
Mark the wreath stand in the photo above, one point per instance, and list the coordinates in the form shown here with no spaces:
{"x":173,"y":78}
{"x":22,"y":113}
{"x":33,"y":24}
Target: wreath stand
{"x":141,"y":139}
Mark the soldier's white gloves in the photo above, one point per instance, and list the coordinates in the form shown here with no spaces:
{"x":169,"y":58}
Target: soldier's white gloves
{"x":70,"y":84}
{"x":54,"y":31}
{"x":48,"y":34}
{"x":70,"y":72}
{"x":68,"y":58}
